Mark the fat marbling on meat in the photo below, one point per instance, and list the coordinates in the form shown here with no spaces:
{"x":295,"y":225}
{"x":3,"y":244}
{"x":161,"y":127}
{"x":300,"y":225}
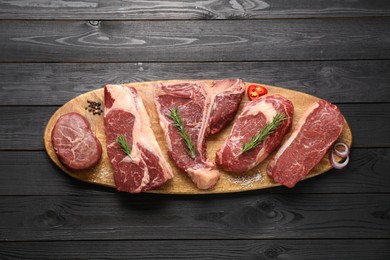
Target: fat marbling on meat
{"x":74,"y":142}
{"x":254,"y":116}
{"x":145,"y":168}
{"x":317,"y":129}
{"x":203,"y":110}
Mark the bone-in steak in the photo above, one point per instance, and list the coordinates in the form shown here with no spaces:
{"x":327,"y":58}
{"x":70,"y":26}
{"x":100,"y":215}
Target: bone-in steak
{"x":203,"y":110}
{"x":318,"y":128}
{"x":254,"y":116}
{"x":125,"y":115}
{"x":74,"y":143}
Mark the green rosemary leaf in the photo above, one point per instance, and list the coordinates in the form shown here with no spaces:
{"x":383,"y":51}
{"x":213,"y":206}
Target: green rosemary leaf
{"x":121,"y":140}
{"x":178,"y":122}
{"x":264,"y":132}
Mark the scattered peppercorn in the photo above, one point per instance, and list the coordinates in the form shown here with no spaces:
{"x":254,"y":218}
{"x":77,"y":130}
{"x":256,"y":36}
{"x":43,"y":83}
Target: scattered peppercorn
{"x":94,"y":107}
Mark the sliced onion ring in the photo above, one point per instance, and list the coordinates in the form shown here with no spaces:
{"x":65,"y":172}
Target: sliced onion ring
{"x":344,"y":153}
{"x":338,"y":165}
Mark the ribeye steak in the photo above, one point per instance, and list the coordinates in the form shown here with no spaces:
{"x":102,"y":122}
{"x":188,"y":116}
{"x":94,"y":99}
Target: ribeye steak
{"x":254,"y":116}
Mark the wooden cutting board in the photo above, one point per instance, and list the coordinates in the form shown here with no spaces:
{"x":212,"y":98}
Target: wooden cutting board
{"x":256,"y":178}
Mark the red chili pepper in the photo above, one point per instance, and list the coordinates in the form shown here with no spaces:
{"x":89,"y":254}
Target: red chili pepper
{"x":256,"y":91}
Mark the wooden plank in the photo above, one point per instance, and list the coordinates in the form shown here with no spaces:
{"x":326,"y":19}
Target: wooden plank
{"x":368,"y":121}
{"x":32,"y":173}
{"x":22,"y":126}
{"x":188,"y":9}
{"x":57,"y":83}
{"x":229,"y":216}
{"x":200,"y":249}
{"x":233,"y":40}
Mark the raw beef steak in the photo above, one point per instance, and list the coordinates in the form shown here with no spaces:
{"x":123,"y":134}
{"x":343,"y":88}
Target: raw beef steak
{"x":225,"y":98}
{"x":125,"y":115}
{"x":74,"y":143}
{"x":254,"y":116}
{"x":203,"y":110}
{"x":318,"y":128}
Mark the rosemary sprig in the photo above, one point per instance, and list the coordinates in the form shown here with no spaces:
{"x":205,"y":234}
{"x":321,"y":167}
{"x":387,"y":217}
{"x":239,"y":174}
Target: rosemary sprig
{"x":121,"y":140}
{"x":264,"y":132}
{"x":175,"y":116}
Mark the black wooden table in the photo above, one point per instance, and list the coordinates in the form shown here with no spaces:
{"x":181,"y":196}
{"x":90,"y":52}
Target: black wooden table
{"x":52,"y":51}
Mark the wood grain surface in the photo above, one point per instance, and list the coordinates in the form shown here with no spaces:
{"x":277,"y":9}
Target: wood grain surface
{"x":149,"y":41}
{"x":118,"y":216}
{"x":321,"y":249}
{"x":253,"y":179}
{"x":188,"y":9}
{"x":57,"y":83}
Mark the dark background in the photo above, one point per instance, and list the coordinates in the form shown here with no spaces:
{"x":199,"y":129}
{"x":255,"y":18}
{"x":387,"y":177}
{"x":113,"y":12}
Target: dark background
{"x":52,"y":51}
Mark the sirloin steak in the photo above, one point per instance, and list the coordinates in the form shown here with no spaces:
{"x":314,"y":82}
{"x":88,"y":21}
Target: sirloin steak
{"x":145,"y":168}
{"x":318,"y":128}
{"x":74,"y":143}
{"x":254,"y":116}
{"x":203,"y":110}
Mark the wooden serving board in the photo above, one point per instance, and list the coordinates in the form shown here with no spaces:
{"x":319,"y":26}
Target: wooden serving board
{"x":256,"y":178}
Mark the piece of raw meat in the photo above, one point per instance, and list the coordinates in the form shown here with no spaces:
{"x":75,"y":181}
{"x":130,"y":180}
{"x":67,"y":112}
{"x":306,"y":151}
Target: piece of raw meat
{"x":125,"y":115}
{"x":225,"y":97}
{"x":317,"y":129}
{"x":254,"y":116}
{"x":203,"y":110}
{"x":74,"y":143}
